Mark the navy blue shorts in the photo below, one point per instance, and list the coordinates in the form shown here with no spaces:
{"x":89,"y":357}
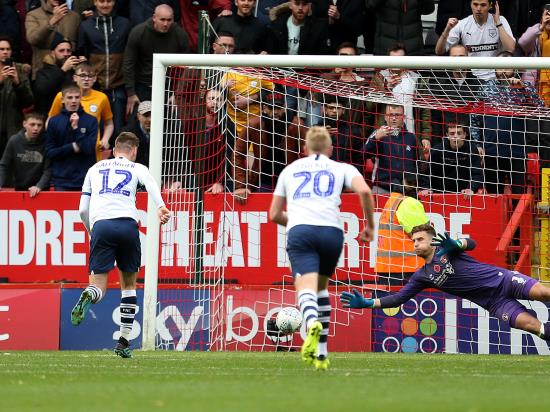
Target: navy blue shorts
{"x":115,"y":240}
{"x":314,"y":249}
{"x":514,"y":286}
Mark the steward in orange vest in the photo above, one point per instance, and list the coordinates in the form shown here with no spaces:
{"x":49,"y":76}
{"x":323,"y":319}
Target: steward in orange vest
{"x":395,"y":257}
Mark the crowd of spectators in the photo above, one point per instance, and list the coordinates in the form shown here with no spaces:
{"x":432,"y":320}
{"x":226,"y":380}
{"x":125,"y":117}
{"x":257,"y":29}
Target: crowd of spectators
{"x":74,"y":74}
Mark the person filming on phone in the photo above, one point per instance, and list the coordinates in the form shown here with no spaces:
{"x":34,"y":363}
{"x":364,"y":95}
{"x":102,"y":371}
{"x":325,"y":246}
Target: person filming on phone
{"x":15,"y":93}
{"x":485,"y":33}
{"x":394,"y":148}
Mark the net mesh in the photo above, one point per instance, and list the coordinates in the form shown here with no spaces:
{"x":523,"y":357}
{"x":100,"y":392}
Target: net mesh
{"x":474,"y":149}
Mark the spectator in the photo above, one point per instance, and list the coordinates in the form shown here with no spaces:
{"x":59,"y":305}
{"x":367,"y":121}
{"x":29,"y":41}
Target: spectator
{"x":189,"y":16}
{"x":70,"y":142}
{"x":403,"y":85}
{"x":452,"y":89}
{"x":446,"y":9}
{"x":102,"y":40}
{"x":395,"y":258}
{"x":504,"y":136}
{"x":399,"y":22}
{"x":345,"y":19}
{"x":455,"y":163}
{"x":536,"y":42}
{"x":15,"y":93}
{"x":41,"y":25}
{"x":141,"y":127}
{"x":483,"y":33}
{"x":94,"y":103}
{"x":56,"y":72}
{"x":263,"y":10}
{"x":24,"y":161}
{"x":248,"y":31}
{"x":394,"y":148}
{"x":346,"y":138}
{"x":10,"y":26}
{"x":295,"y":31}
{"x":157,"y":35}
{"x":224,"y":43}
{"x":275,"y":143}
{"x":243,"y":99}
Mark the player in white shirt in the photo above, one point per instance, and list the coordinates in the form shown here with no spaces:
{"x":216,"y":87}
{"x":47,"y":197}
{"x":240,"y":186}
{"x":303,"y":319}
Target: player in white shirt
{"x":484,"y":34}
{"x":108,"y":211}
{"x":311,"y":188}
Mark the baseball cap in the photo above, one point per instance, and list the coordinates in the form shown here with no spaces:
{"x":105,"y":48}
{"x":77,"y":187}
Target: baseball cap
{"x":144,"y":107}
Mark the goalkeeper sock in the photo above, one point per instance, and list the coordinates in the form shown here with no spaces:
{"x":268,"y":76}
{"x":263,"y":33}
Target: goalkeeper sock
{"x":97,"y":293}
{"x":307,"y":300}
{"x":128,"y":306}
{"x":324,"y":317}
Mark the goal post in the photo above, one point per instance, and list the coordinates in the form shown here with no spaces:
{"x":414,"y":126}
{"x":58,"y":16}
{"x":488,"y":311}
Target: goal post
{"x":201,"y":274}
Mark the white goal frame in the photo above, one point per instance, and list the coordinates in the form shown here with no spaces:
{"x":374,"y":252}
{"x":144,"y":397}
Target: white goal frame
{"x":162,"y":61}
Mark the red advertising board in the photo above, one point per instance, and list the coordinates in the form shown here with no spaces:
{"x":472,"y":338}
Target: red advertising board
{"x":43,"y":240}
{"x":29,"y":319}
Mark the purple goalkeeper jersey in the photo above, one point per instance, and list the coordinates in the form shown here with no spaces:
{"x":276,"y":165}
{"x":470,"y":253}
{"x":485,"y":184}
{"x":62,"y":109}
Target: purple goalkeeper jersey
{"x":458,"y":274}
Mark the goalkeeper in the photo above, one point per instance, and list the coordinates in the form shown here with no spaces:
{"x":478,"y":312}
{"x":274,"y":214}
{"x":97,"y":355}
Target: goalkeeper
{"x":449,"y":269}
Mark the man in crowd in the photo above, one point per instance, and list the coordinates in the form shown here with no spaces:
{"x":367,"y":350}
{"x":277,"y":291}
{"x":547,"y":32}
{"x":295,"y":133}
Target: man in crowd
{"x":24,"y":159}
{"x":394,"y":148}
{"x":15,"y":93}
{"x":70,"y":142}
{"x":102,"y":40}
{"x":158,"y":35}
{"x":56,"y":72}
{"x":248,"y":31}
{"x":41,"y":25}
{"x":141,"y":127}
{"x":483,"y":33}
{"x":93,"y":102}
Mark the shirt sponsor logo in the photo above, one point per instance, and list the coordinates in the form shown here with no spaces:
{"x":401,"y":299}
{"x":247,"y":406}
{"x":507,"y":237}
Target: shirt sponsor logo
{"x":483,"y":47}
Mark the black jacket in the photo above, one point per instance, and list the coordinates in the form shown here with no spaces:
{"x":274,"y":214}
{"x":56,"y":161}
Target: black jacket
{"x":144,"y":141}
{"x":350,"y":23}
{"x":248,"y":32}
{"x":455,"y":170}
{"x":313,"y":36}
{"x":50,"y":79}
{"x":399,"y":21}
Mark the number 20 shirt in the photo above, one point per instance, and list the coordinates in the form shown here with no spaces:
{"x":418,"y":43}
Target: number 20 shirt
{"x":112,"y":185}
{"x":312,"y":187}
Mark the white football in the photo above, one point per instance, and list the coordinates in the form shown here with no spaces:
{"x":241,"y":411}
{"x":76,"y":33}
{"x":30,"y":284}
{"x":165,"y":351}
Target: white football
{"x":288,"y":320}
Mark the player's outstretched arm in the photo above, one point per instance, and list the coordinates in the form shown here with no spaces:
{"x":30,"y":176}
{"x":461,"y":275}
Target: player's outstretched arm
{"x":449,"y":245}
{"x":356,"y":301}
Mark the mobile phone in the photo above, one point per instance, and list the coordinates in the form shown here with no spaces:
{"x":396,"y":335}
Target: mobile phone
{"x":61,"y":2}
{"x":492,"y":6}
{"x":547,"y":7}
{"x":8,"y":62}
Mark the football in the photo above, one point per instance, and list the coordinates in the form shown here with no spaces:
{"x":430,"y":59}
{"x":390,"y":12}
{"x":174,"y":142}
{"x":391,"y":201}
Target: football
{"x":288,"y":320}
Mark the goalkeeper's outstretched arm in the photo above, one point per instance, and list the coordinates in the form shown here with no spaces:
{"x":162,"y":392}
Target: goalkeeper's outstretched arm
{"x":357,"y":301}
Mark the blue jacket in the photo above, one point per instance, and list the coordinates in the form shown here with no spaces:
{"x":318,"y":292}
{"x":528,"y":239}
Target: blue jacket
{"x":395,"y":154}
{"x":69,"y":168}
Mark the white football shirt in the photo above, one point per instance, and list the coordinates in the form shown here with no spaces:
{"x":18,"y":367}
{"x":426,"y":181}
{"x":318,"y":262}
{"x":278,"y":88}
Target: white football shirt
{"x":312,"y":187}
{"x":481,"y":41}
{"x":112,"y":185}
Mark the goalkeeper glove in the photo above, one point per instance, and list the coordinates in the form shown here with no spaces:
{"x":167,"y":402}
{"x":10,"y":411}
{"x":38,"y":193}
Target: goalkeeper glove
{"x":446,"y":244}
{"x":355,"y":300}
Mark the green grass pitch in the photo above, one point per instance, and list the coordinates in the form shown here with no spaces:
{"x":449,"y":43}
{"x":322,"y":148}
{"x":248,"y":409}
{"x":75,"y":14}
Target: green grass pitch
{"x":242,"y":382}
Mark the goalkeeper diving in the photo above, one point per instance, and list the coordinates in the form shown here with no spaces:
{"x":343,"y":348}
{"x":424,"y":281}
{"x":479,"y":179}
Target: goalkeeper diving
{"x":450,"y":270}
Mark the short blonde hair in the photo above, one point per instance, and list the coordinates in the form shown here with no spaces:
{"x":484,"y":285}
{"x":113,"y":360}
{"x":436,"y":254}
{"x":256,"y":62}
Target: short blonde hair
{"x":126,"y":141}
{"x":318,"y":139}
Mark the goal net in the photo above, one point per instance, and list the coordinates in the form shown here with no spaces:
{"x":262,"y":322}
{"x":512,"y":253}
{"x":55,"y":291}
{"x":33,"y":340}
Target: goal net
{"x":473,"y":151}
